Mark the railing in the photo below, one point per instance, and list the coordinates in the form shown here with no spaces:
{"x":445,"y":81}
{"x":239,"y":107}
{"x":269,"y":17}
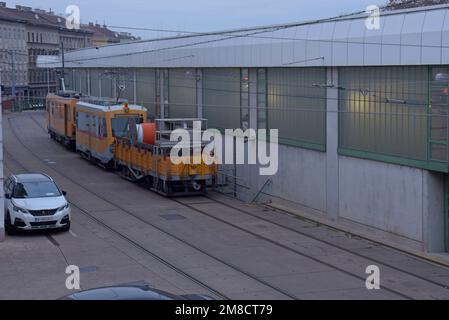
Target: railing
{"x":26,"y":104}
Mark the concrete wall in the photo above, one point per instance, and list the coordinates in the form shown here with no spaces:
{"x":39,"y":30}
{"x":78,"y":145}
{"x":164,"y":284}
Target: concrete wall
{"x":434,"y":220}
{"x":399,"y":204}
{"x":383,"y":196}
{"x":301,"y":178}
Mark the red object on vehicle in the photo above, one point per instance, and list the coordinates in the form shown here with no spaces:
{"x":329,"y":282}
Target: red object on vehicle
{"x":146,"y":133}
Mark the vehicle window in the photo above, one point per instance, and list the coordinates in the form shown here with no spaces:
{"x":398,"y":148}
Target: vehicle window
{"x":120,"y":125}
{"x":102,"y":132}
{"x":41,"y":189}
{"x":92,"y":124}
{"x":8,"y":184}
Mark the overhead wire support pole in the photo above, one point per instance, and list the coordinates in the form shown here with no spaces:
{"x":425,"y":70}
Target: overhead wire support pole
{"x":13,"y":74}
{"x":63,"y":67}
{"x":2,"y":210}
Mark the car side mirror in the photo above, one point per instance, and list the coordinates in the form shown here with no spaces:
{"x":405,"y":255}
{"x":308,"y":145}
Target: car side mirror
{"x":7,"y":196}
{"x":64,"y":193}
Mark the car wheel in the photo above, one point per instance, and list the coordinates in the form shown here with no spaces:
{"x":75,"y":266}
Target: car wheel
{"x":66,"y":228}
{"x":9,"y":228}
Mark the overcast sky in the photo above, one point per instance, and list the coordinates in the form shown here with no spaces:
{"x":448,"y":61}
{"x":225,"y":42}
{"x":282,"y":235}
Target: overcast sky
{"x":199,"y":15}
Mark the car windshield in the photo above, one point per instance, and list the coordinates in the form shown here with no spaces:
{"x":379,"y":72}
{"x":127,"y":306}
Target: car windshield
{"x":40,"y":189}
{"x":120,"y":125}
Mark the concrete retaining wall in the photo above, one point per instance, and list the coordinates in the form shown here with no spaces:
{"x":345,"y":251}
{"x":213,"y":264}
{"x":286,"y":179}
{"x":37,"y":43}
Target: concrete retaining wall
{"x":389,"y":197}
{"x":301,"y":178}
{"x":403,"y":203}
{"x":381,"y":195}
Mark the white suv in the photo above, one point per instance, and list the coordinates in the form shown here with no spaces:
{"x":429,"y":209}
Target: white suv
{"x":34,"y":201}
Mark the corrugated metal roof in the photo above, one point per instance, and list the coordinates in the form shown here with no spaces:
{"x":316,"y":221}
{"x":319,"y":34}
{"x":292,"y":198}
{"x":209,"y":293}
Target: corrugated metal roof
{"x":405,"y":37}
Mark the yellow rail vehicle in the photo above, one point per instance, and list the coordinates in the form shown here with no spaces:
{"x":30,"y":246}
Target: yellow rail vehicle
{"x":61,"y":117}
{"x":147,"y":159}
{"x":99,"y":123}
{"x":116,"y":135}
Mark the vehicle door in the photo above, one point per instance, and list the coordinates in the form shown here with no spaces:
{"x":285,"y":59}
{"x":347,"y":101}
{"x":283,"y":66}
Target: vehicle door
{"x":102,"y":133}
{"x":87,"y":119}
{"x":94,"y":133}
{"x":67,"y":119}
{"x":49,"y":114}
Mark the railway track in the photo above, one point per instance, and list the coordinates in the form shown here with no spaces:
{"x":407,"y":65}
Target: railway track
{"x":320,"y":239}
{"x":285,"y":247}
{"x":352,"y":252}
{"x":129,"y":240}
{"x":208,"y":254}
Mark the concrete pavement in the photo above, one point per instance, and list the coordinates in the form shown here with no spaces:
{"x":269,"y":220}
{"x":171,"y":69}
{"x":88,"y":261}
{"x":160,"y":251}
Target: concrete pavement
{"x":266,"y":254}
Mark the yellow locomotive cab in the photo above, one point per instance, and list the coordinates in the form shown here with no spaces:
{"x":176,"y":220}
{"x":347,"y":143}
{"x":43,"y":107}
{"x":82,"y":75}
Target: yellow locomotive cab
{"x":98,"y":123}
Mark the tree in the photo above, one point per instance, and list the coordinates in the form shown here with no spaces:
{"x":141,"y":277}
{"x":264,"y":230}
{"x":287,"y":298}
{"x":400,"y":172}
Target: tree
{"x":405,"y":4}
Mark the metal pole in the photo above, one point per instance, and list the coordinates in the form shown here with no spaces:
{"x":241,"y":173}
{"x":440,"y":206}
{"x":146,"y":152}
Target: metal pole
{"x":199,"y":93}
{"x":2,"y":194}
{"x":63,"y":66}
{"x":162,"y":92}
{"x":48,"y":80}
{"x":13,"y":75}
{"x":63,"y":58}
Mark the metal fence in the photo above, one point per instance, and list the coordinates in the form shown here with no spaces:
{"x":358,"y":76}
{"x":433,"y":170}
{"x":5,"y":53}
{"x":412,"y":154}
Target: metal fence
{"x":25,"y":104}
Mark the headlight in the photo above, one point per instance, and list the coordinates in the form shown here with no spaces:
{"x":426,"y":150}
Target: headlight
{"x":64,"y":207}
{"x":17,"y":209}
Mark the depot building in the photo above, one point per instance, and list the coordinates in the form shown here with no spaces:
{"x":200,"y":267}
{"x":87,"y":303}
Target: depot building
{"x":362,"y":113}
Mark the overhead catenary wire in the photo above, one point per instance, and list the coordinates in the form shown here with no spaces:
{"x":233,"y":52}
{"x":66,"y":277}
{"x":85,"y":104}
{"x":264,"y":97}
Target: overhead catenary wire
{"x":275,"y":109}
{"x":113,"y":68}
{"x":378,"y":96}
{"x":232,"y":34}
{"x":384,"y":7}
{"x":292,"y":62}
{"x":365,"y":91}
{"x":264,"y":30}
{"x":313,"y":85}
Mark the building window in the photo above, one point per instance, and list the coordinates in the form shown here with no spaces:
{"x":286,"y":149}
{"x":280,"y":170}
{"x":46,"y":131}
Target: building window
{"x":296,"y":102}
{"x":395,"y":114}
{"x":221,"y":98}
{"x":182,"y":93}
{"x":146,"y":85}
